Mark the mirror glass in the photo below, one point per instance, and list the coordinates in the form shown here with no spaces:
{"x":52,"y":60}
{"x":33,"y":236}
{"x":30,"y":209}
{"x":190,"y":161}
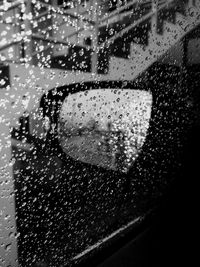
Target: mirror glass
{"x":105,"y":127}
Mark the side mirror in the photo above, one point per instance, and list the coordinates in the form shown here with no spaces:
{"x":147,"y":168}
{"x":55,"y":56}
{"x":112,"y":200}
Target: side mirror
{"x":105,"y":127}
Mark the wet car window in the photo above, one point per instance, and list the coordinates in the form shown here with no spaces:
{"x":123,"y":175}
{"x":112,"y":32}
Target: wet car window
{"x":95,"y":113}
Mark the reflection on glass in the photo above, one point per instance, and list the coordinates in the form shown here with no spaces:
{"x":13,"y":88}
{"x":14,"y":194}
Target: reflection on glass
{"x":105,"y":127}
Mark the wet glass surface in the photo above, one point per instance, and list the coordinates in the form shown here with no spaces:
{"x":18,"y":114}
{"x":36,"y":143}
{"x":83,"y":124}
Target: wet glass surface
{"x":97,"y":100}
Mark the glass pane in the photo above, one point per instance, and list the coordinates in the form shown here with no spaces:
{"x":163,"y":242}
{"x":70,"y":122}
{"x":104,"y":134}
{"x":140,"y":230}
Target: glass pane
{"x":98,"y":99}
